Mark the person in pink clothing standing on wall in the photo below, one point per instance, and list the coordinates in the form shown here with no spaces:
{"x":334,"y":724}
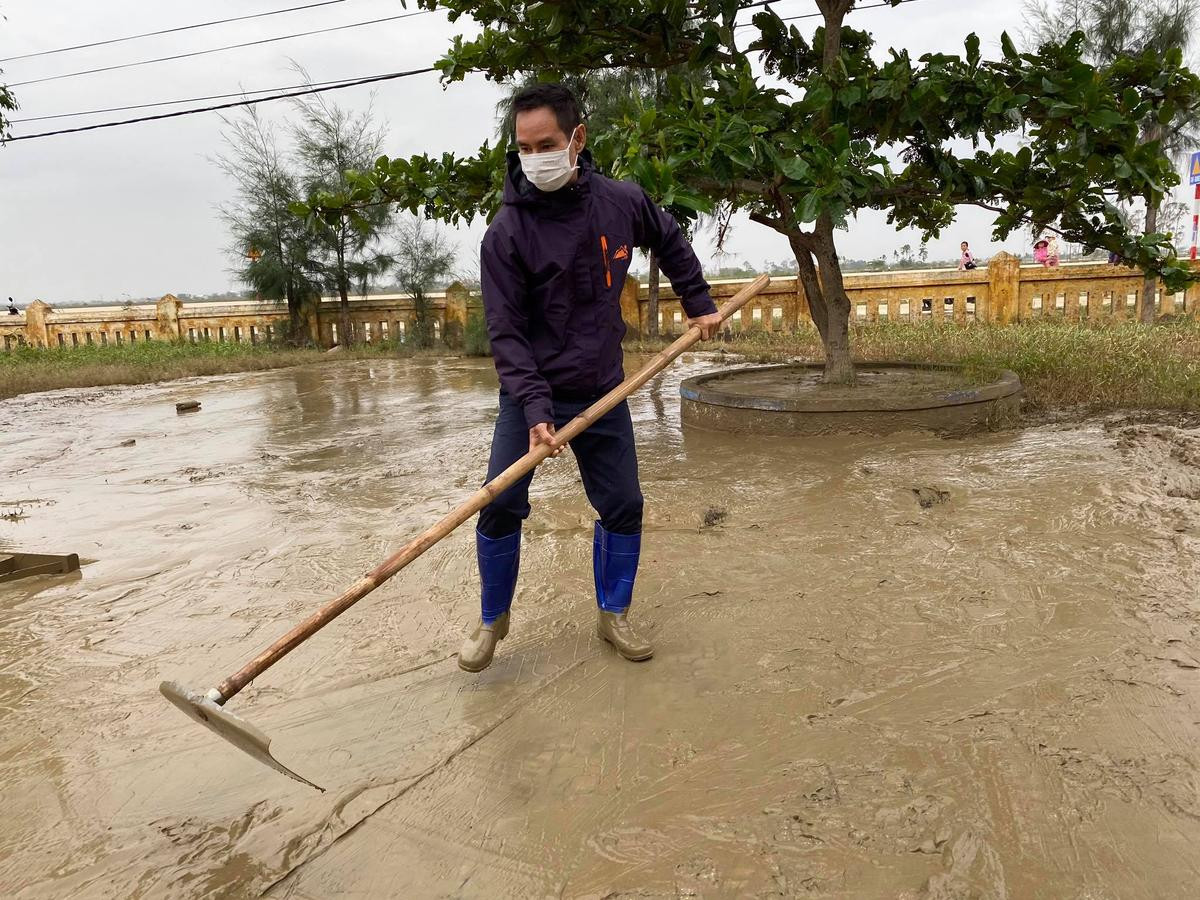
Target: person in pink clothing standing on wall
{"x":965,"y":260}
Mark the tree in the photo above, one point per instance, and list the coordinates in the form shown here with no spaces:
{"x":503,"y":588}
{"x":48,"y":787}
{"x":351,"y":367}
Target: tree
{"x":1114,"y":29}
{"x":272,"y":246}
{"x":422,"y":256}
{"x":811,"y":143}
{"x":8,"y":103}
{"x":331,"y":142}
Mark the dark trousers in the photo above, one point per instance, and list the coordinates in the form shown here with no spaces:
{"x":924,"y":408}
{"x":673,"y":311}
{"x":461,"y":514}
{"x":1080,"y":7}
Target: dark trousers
{"x":607,"y":461}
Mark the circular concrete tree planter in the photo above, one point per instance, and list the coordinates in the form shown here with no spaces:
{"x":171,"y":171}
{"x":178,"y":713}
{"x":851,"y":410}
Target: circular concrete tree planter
{"x":790,"y":400}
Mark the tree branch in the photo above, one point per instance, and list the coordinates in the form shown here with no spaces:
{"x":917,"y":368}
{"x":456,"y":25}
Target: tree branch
{"x":804,"y":237}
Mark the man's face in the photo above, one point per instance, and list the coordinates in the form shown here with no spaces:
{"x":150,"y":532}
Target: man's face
{"x":964,"y":245}
{"x":538,"y":132}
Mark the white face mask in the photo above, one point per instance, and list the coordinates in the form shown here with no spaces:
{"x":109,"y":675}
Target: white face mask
{"x":552,"y":169}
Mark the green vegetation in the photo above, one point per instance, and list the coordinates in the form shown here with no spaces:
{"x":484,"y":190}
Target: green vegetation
{"x":1112,"y":31}
{"x":1062,"y":365}
{"x":802,"y":135}
{"x":27,"y":370}
{"x":475,"y":337}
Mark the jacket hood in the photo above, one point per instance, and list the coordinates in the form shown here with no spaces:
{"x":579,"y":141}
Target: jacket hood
{"x":519,"y":191}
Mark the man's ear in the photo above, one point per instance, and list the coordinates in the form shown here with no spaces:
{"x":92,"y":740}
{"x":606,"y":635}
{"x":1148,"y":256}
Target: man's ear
{"x":581,"y":137}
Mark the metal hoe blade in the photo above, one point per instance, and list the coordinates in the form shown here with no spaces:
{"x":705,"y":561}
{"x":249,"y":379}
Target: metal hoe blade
{"x":234,"y":729}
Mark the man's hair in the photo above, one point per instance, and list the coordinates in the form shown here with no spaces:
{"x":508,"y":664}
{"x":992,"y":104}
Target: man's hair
{"x":554,"y":96}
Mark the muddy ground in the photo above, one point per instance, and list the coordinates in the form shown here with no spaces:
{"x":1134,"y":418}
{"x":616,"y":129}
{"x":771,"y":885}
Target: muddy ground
{"x":901,"y":667}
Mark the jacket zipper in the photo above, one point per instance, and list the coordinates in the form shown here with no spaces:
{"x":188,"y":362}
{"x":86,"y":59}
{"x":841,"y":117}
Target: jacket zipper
{"x":604,"y":253}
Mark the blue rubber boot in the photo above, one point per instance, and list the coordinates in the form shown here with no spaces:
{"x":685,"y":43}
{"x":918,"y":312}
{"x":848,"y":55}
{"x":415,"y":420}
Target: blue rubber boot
{"x":614,"y":565}
{"x":499,"y":561}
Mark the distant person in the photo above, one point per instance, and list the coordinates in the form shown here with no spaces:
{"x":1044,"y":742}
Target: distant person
{"x":1114,"y":258}
{"x":1041,"y":251}
{"x":965,"y":259}
{"x":1052,"y":251}
{"x":12,"y":308}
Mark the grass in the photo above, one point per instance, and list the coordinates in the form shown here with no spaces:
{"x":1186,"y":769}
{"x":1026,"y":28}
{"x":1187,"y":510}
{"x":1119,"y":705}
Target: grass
{"x":1119,"y":366}
{"x":27,"y":370}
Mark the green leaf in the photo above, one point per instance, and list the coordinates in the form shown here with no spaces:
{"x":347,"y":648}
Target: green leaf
{"x":809,"y":208}
{"x":692,"y":201}
{"x":794,"y":168}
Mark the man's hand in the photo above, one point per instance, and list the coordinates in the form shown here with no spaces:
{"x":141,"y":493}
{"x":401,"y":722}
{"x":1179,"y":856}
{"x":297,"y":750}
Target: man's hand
{"x":543,"y":433}
{"x":709,"y":325}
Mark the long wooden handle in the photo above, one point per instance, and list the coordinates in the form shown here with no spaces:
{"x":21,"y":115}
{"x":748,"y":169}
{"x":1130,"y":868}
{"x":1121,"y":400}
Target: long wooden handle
{"x":477,"y":501}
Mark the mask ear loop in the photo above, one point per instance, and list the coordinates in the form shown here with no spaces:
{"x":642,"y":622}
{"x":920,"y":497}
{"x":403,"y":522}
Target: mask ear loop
{"x":570,"y":142}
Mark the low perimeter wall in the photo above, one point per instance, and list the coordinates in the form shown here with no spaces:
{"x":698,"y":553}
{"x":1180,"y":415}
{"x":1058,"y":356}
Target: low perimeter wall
{"x":1003,"y":292}
{"x":376,"y":318}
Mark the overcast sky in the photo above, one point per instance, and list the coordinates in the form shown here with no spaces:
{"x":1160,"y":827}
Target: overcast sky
{"x":132,"y":211}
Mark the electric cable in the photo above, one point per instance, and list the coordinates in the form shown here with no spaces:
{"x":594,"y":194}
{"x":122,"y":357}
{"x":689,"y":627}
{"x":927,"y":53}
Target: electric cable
{"x":259,"y":42}
{"x":243,"y":93}
{"x":146,"y":34}
{"x":816,"y":14}
{"x":191,"y":112}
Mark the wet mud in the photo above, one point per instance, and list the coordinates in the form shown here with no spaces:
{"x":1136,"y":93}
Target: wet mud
{"x":885,"y":387}
{"x":855,"y":693}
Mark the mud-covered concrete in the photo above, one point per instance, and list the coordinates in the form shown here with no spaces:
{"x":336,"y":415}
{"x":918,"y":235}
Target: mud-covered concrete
{"x":993,"y":695}
{"x":792,"y":400}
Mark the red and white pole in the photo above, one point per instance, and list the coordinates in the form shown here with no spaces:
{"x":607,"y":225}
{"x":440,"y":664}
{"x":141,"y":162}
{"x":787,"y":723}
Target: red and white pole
{"x":1195,"y":222}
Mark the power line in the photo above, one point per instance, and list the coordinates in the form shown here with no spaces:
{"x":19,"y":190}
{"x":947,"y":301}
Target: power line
{"x":270,"y":40}
{"x":301,"y":89}
{"x":108,"y":109}
{"x":815,"y":15}
{"x":192,"y":112}
{"x":146,"y":34}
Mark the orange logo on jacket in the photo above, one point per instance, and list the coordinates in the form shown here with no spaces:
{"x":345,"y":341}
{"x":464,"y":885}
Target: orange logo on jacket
{"x":622,"y":253}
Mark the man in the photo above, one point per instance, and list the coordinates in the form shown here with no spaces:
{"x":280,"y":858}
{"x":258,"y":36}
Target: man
{"x":553,"y":263}
{"x":12,"y":308}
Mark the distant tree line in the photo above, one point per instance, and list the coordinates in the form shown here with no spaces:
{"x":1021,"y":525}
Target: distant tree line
{"x":288,"y":257}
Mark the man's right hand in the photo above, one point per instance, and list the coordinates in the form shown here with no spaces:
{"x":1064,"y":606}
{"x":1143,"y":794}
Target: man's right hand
{"x":543,"y":433}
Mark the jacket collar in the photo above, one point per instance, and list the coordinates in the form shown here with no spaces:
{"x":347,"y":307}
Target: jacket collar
{"x":518,"y":191}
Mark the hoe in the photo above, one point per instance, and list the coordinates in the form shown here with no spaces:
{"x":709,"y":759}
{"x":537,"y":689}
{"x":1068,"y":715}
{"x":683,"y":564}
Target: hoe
{"x":208,"y":708}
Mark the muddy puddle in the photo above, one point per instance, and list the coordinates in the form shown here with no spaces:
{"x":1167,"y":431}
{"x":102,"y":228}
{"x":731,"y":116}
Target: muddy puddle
{"x":900,"y":667}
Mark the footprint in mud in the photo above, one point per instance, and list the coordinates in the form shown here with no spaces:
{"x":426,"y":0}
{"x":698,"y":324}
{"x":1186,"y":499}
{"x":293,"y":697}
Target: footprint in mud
{"x":1175,"y":452}
{"x":928,"y":497}
{"x":195,"y":475}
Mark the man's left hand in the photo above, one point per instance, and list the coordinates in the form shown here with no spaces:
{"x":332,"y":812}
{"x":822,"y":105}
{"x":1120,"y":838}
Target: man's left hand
{"x":708,"y":325}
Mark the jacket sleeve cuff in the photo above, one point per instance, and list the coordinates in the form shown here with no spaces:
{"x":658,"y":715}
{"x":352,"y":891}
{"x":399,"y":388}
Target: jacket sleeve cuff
{"x":537,"y":410}
{"x":699,"y":305}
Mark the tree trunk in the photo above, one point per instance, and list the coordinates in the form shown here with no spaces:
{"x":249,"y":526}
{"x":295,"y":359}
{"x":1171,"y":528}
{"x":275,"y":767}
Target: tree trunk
{"x":345,"y":329}
{"x":652,"y":302}
{"x":807,"y":272}
{"x":1150,"y":282}
{"x":839,"y":369}
{"x":832,"y":325}
{"x":827,"y":300}
{"x":422,"y":333}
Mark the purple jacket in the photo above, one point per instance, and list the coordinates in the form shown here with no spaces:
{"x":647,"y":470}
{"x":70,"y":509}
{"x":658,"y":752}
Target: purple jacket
{"x":553,"y":265}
